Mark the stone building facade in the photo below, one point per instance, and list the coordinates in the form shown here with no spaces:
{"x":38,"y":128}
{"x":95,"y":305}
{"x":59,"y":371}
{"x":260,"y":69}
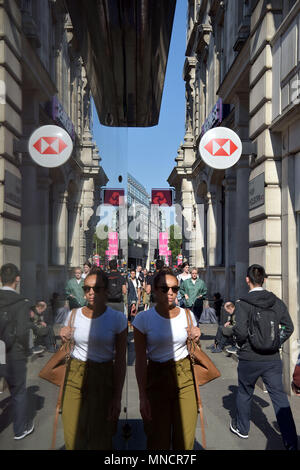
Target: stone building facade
{"x":47,"y":215}
{"x":242,"y":72}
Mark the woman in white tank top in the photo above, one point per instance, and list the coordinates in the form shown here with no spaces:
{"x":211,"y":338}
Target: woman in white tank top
{"x":163,"y":370}
{"x":96,"y":370}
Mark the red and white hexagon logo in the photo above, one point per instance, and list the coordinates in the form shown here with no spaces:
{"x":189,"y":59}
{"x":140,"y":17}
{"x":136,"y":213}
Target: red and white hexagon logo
{"x":220,"y":148}
{"x":50,"y":146}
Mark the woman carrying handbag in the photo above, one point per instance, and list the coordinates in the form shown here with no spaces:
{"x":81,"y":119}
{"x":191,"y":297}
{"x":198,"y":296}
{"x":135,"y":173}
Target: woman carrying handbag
{"x":163,"y":369}
{"x":96,"y":371}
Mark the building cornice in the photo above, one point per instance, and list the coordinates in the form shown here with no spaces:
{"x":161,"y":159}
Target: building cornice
{"x":189,"y":64}
{"x":234,"y":79}
{"x":203,"y":38}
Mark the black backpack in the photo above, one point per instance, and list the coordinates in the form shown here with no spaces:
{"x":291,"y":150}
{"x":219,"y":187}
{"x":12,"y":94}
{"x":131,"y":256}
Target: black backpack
{"x":115,"y":282}
{"x":263,"y":330}
{"x":8,"y":328}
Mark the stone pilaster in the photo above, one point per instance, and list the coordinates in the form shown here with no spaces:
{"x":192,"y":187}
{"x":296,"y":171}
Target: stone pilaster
{"x":211,"y":229}
{"x":60,"y":227}
{"x":29,"y":219}
{"x":10,"y":132}
{"x":265,"y":236}
{"x":230,"y":228}
{"x":74,"y":258}
{"x":43,"y":184}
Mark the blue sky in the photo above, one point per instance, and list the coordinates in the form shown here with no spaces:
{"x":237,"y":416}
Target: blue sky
{"x":149,"y":153}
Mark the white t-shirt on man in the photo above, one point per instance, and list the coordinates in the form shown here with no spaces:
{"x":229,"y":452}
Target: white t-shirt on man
{"x":95,"y":338}
{"x":166,"y":337}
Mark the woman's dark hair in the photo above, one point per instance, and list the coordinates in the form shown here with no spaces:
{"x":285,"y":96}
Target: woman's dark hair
{"x":162,"y":274}
{"x":256,"y":274}
{"x":101,"y":276}
{"x":87,"y":263}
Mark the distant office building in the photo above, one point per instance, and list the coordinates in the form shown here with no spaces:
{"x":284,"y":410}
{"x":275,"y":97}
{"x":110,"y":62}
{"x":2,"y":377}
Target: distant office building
{"x":138,"y":201}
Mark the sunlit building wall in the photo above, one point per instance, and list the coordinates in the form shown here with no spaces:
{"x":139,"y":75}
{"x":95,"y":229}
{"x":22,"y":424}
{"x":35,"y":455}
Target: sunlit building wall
{"x":242,"y":57}
{"x":47,"y":216}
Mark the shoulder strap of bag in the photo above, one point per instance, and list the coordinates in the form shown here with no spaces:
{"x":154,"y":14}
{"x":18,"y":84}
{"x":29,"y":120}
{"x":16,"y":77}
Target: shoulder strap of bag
{"x":189,"y":318}
{"x":72,"y":318}
{"x":198,"y":396}
{"x":60,"y":393}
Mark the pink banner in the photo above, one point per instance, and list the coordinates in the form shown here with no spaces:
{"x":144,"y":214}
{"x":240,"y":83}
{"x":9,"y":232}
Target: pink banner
{"x":163,"y":244}
{"x":113,"y":243}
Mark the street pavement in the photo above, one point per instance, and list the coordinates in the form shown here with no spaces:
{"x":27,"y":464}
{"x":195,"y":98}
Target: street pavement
{"x":218,"y":399}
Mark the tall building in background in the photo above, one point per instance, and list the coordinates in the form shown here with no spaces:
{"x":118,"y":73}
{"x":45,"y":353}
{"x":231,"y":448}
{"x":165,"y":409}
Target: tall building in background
{"x":242,"y":72}
{"x":138,"y":202}
{"x":47,"y":215}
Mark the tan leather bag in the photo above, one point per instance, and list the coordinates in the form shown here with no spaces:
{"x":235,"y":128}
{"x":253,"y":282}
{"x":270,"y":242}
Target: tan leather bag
{"x":204,"y":371}
{"x":55,"y":371}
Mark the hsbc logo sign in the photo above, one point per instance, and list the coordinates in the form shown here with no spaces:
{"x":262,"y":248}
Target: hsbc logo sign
{"x":50,"y":146}
{"x":220,"y":148}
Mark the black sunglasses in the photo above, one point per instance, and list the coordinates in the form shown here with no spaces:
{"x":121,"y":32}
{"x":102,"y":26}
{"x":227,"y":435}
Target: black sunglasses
{"x":96,"y":289}
{"x":165,"y":289}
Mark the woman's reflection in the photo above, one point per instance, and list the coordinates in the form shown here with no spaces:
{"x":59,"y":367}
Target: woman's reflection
{"x":96,"y":371}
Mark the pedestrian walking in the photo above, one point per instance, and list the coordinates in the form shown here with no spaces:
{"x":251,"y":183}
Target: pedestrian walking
{"x":259,"y":314}
{"x":194,"y":291}
{"x":145,"y":296}
{"x":96,"y":371}
{"x":183,"y":276}
{"x":74,"y":290}
{"x":14,"y":331}
{"x":163,"y":369}
{"x":133,"y":295}
{"x":86,"y":269}
{"x":116,"y":287}
{"x":150,"y":279}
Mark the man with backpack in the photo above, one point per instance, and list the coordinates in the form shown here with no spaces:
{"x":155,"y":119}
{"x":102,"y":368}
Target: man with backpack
{"x":262,"y":325}
{"x":116,"y":288}
{"x":14,"y":332}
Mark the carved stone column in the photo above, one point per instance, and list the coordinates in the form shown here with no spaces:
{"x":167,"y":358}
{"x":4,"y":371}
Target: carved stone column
{"x":74,"y":258}
{"x":230,"y":223}
{"x":211,"y":229}
{"x":187,"y":203}
{"x":43,"y":184}
{"x":60,"y":225}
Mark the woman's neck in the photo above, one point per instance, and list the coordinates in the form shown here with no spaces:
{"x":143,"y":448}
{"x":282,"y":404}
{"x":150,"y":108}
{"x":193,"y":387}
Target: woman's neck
{"x":93,"y":311}
{"x":167,"y":311}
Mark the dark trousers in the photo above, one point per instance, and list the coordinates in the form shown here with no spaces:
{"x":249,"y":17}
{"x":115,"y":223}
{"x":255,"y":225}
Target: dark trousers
{"x":15,"y":375}
{"x":271,"y":374}
{"x":197,"y":309}
{"x":45,"y":336}
{"x":222,"y":340}
{"x":171,"y":393}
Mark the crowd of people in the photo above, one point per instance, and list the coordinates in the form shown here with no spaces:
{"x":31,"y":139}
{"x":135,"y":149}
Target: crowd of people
{"x":103,"y":306}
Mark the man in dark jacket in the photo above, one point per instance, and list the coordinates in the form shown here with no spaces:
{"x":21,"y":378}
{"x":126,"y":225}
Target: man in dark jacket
{"x":117,"y":290}
{"x":267,"y":365}
{"x":17,"y":349}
